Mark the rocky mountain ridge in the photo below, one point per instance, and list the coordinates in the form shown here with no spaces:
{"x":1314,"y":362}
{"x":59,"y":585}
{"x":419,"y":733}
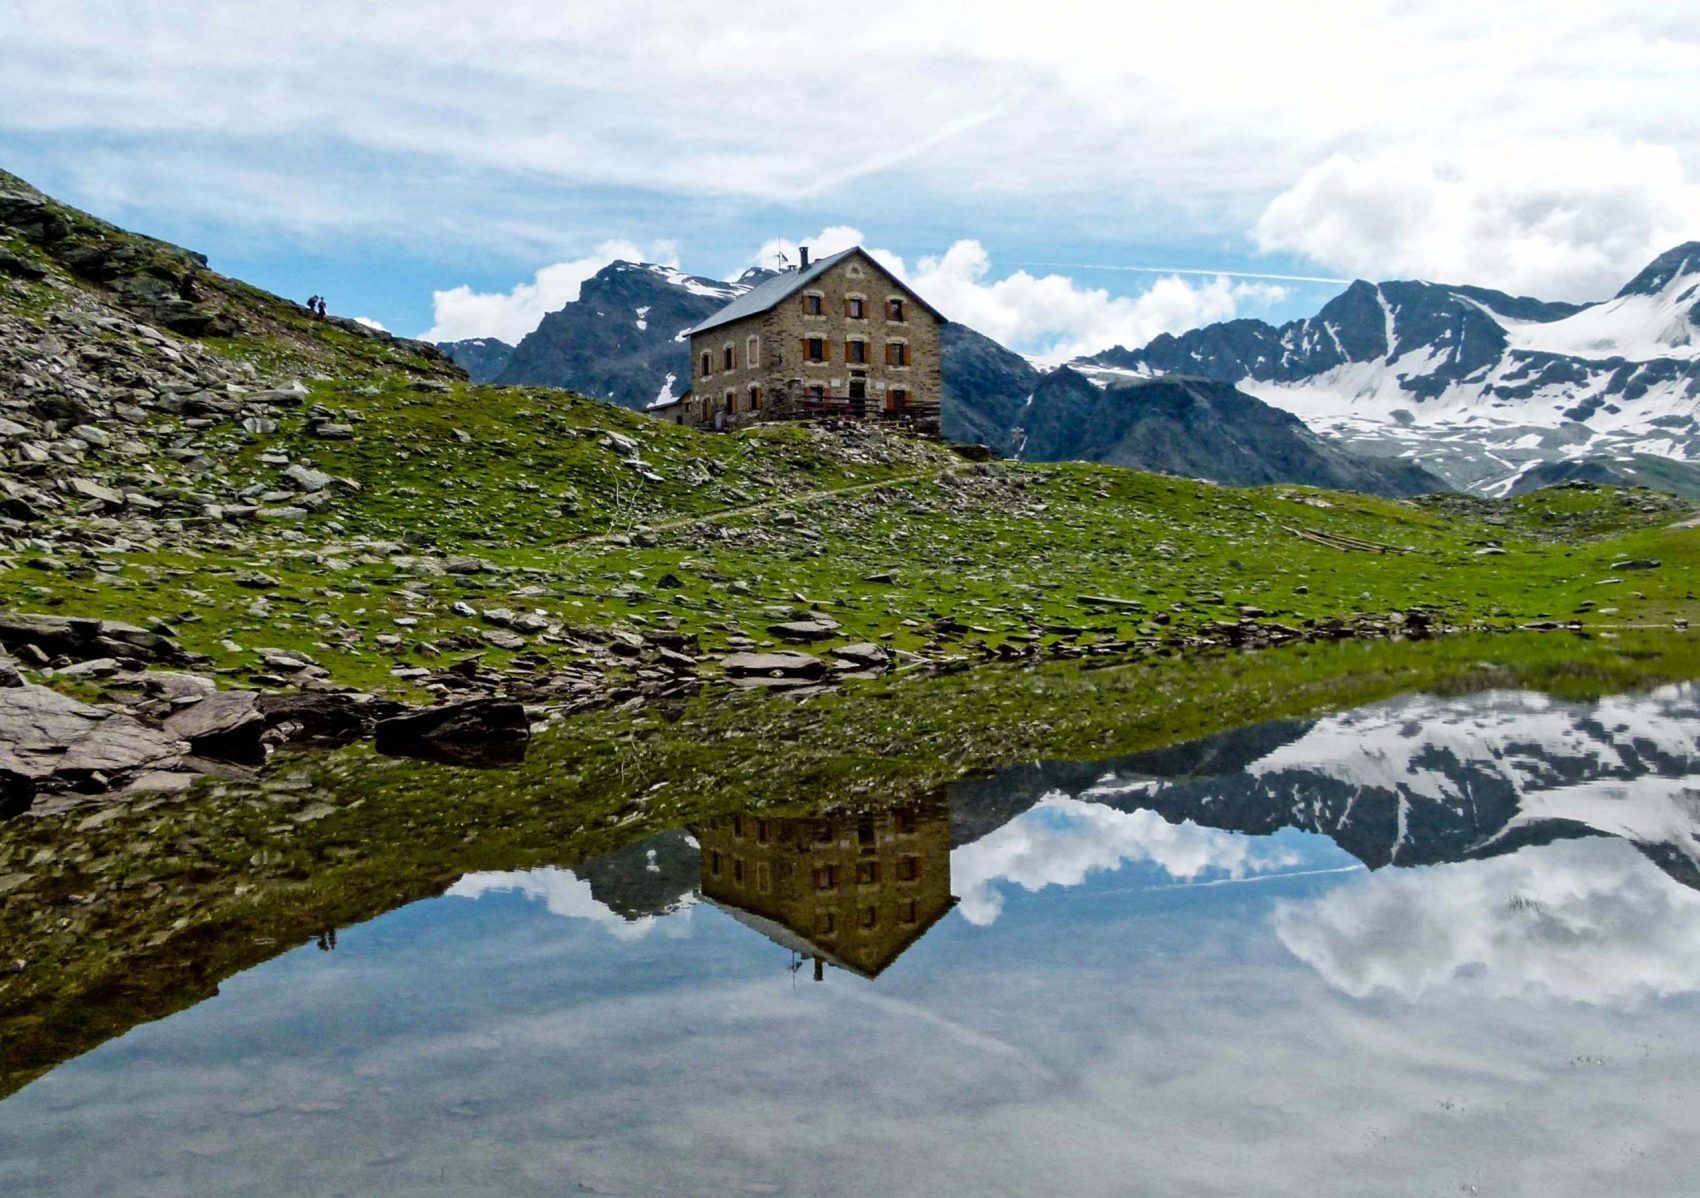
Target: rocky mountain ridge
{"x":1198,"y":428}
{"x":1475,"y":384}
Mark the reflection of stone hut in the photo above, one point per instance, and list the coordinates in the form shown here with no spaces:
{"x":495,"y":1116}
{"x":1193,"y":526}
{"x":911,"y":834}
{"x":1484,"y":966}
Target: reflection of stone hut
{"x":845,"y":889}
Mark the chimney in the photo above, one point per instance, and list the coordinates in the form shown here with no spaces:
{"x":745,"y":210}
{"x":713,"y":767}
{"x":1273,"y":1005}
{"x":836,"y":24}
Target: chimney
{"x":802,"y":257}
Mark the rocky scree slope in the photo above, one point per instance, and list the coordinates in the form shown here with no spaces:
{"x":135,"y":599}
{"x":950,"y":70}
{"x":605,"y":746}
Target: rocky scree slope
{"x":1475,"y":384}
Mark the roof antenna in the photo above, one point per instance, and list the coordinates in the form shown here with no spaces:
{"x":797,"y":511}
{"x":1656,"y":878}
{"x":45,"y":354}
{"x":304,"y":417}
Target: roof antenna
{"x":782,"y":260}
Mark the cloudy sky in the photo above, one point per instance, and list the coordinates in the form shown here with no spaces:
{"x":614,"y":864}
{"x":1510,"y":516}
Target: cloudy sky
{"x":459,"y":168}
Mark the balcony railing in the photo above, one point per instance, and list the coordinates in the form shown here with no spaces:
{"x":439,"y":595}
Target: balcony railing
{"x":871,"y":408}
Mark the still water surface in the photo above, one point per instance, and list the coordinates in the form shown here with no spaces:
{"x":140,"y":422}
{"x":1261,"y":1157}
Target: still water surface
{"x":1434,"y":946}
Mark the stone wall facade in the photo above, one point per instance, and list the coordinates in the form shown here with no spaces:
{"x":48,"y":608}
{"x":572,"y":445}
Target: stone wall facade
{"x":878,"y":354}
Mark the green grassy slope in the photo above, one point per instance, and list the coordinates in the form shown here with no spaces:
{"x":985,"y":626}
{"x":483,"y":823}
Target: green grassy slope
{"x":719,"y":536}
{"x":593,"y":518}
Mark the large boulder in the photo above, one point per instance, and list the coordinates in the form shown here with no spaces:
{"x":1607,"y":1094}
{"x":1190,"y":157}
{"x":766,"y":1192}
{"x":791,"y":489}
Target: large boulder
{"x":56,"y":741}
{"x":80,"y":638}
{"x":478,"y":732}
{"x":774,"y":665}
{"x":225,"y":725}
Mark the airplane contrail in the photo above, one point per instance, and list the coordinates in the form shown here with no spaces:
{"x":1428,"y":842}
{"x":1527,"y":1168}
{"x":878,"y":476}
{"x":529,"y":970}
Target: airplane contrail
{"x":1183,"y":270}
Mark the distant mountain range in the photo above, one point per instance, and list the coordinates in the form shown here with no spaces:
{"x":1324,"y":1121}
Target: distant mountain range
{"x":1437,"y":386}
{"x":622,"y":340}
{"x":1479,"y":386}
{"x":1198,"y":428}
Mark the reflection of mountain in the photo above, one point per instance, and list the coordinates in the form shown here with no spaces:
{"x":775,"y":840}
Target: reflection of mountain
{"x":1415,"y":781}
{"x":852,"y":890}
{"x":654,"y":876}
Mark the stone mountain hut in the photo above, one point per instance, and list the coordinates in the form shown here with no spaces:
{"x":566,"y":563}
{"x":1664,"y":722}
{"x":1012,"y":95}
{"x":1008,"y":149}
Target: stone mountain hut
{"x":839,"y":337}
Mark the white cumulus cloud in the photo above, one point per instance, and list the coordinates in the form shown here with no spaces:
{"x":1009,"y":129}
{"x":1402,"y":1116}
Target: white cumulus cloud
{"x":461,"y":312}
{"x":1062,"y":840}
{"x":1049,"y":316}
{"x":1055,"y":317}
{"x":370,"y":323}
{"x":1563,"y":219}
{"x":562,"y":893}
{"x":1590,"y":921}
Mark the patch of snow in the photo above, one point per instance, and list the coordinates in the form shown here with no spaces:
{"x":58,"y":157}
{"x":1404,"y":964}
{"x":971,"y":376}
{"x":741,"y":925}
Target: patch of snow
{"x":665,"y":396}
{"x":1636,"y":327}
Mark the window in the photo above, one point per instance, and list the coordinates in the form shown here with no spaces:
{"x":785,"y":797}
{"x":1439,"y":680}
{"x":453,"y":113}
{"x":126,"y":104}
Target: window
{"x":764,"y":830}
{"x":738,"y":870}
{"x":855,"y":351}
{"x":825,"y":924}
{"x":714,"y":863}
{"x":896,"y":353}
{"x":816,"y":391}
{"x":896,"y":399}
{"x":814,"y":349}
{"x":764,"y":877}
{"x":856,"y":308}
{"x":905,"y":817}
{"x":755,"y":399}
{"x":812,"y":305}
{"x":752,"y":351}
{"x":707,"y":362}
{"x":870,"y":917}
{"x":908,"y":869}
{"x":738,"y":826}
{"x":731,"y":402}
{"x":867,"y":873}
{"x":726,"y":358}
{"x":906,"y":911}
{"x":826,"y":877}
{"x":865,"y":830}
{"x":894,"y":309}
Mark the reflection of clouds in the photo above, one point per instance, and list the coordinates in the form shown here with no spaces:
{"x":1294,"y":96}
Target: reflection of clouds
{"x":1060,"y":840}
{"x":563,"y":893}
{"x":1591,"y":921}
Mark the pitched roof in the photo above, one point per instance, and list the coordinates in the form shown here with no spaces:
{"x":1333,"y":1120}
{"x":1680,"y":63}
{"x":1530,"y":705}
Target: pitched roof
{"x":781,"y":287}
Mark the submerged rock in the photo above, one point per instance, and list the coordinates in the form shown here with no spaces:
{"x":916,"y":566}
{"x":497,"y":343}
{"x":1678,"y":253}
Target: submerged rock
{"x":478,"y":732}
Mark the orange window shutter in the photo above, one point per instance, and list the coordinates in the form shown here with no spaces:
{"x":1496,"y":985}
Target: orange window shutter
{"x":890,"y":360}
{"x":805,"y":349}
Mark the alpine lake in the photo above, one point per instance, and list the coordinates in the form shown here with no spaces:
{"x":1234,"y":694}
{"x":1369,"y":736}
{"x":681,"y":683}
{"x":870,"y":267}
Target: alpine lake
{"x":1362,"y":919}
